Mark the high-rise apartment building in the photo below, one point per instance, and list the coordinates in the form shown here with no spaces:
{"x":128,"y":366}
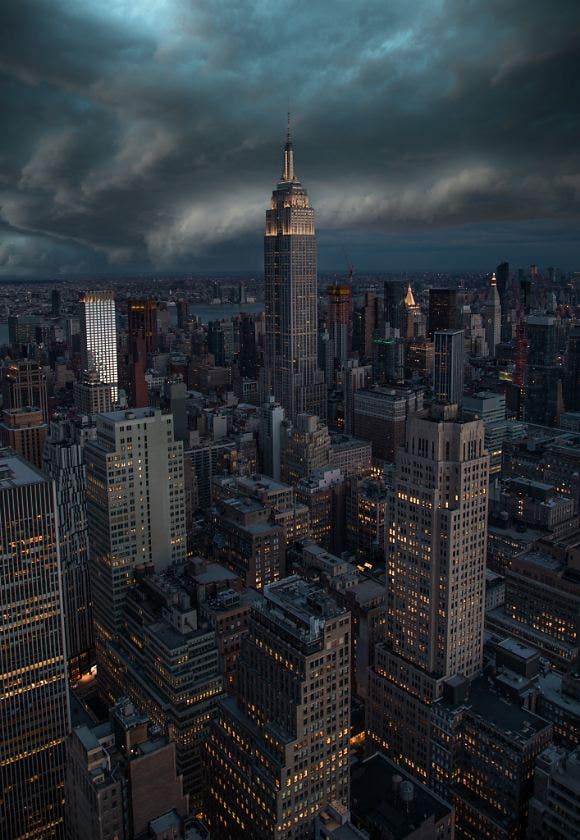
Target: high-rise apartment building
{"x":380,"y":415}
{"x":436,"y":551}
{"x":448,"y":366}
{"x":279,"y":752}
{"x":340,"y":320}
{"x":33,"y":690}
{"x":291,"y":363}
{"x":136,"y":509}
{"x":63,"y":462}
{"x":99,"y":337}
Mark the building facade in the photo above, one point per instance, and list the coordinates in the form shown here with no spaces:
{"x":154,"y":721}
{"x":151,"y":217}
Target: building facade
{"x":99,"y":337}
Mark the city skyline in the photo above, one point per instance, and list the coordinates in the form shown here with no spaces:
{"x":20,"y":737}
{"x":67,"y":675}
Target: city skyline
{"x":430,"y":138}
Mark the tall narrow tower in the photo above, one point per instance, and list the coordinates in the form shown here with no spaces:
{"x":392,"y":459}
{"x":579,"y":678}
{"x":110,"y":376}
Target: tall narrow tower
{"x":99,"y":337}
{"x":291,"y":366}
{"x":493,"y":317}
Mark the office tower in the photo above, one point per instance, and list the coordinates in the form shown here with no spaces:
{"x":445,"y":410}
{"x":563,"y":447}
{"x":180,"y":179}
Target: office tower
{"x":279,"y":752}
{"x":168,"y":663}
{"x":120,"y":776}
{"x":340,"y":321}
{"x":543,"y":398}
{"x":182,"y":314}
{"x":419,"y":362}
{"x":502,"y":274}
{"x":33,"y":695}
{"x":572,"y":376}
{"x":142,"y":342}
{"x":484,"y":751}
{"x":443,"y":311}
{"x":366,"y":509}
{"x":436,"y":551}
{"x":55,"y":302}
{"x":492,"y":317}
{"x":136,"y":510}
{"x":248,"y":353}
{"x":394,"y":305}
{"x":99,"y":337}
{"x":350,"y":455}
{"x":340,"y":307}
{"x":448,"y":366}
{"x":24,"y":385}
{"x":63,"y":462}
{"x":388,"y":356}
{"x":553,"y":808}
{"x":24,"y":430}
{"x":216,"y":343}
{"x":322,"y":492}
{"x":306,"y":448}
{"x":371,"y":318}
{"x":380,"y":415}
{"x":354,"y":377}
{"x":248,"y":542}
{"x":91,"y":396}
{"x":489,"y":407}
{"x":290,"y":361}
{"x":270,"y":437}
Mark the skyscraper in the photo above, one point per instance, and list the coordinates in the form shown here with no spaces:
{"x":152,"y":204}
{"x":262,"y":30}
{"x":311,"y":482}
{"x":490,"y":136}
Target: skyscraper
{"x":279,"y":752}
{"x":394,"y":305}
{"x":443,"y":311}
{"x":270,"y":436}
{"x":448,"y":366}
{"x":142,"y":341}
{"x":493,"y":317}
{"x":291,"y":371}
{"x":135,"y":508}
{"x":436,"y":550}
{"x":502,"y":274}
{"x":33,"y":691}
{"x":99,"y":337}
{"x":63,"y":462}
{"x":24,"y":385}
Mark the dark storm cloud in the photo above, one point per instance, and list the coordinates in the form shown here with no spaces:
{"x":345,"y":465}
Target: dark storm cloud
{"x":147,"y":134}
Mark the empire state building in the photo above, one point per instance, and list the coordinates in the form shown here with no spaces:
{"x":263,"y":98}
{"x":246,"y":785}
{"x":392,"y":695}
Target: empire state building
{"x":291,"y":365}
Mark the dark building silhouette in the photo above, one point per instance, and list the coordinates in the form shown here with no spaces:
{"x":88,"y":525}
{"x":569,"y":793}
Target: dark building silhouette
{"x":443,"y":311}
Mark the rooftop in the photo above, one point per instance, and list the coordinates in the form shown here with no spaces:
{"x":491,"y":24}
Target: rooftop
{"x":17,"y":472}
{"x":378,"y":799}
{"x":299,"y":607}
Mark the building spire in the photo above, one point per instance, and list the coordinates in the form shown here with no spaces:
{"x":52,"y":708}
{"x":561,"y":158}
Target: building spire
{"x":493,"y":280}
{"x":288,"y":171}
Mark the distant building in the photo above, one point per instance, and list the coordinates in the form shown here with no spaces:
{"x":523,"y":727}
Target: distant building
{"x":99,"y":337}
{"x":448,"y":366}
{"x":443,"y":311}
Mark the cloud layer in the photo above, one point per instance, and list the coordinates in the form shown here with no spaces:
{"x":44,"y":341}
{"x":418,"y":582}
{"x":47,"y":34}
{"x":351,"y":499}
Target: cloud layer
{"x":146,"y":134}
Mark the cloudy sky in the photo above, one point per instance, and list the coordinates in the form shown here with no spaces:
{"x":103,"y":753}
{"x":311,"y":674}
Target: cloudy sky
{"x":146,"y":135}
